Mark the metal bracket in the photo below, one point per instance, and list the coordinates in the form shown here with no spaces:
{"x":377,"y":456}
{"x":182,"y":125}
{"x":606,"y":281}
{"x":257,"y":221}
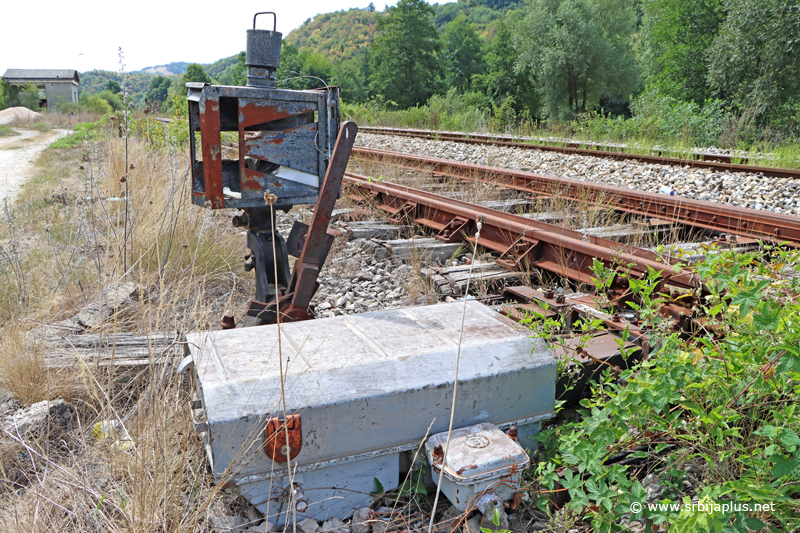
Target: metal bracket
{"x":516,"y":255}
{"x":452,"y":231}
{"x":405,"y":212}
{"x":275,"y":438}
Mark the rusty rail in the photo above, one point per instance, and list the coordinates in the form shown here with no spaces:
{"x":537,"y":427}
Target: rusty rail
{"x":523,"y":243}
{"x":718,"y":162}
{"x":698,"y":213}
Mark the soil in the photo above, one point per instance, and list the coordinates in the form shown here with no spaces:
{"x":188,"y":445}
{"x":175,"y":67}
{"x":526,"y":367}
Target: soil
{"x":17,"y":155}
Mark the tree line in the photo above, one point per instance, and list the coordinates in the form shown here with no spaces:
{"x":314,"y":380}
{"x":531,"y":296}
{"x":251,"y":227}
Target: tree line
{"x":560,"y":59}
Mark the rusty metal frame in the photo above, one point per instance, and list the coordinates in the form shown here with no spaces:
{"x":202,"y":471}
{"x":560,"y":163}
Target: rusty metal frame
{"x":316,"y":243}
{"x":698,"y":213}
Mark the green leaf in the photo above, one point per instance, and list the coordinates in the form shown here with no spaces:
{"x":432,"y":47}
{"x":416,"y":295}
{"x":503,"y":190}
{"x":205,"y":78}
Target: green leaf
{"x":755,"y":524}
{"x":784,"y":466}
{"x":378,"y":486}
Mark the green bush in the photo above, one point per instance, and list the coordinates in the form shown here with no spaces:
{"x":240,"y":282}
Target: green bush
{"x":83,"y":131}
{"x":94,"y":103}
{"x":721,"y":405}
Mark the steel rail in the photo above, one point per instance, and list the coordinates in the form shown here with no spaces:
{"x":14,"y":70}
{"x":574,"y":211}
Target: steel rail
{"x":520,"y":242}
{"x":724,"y":218}
{"x":718,"y":162}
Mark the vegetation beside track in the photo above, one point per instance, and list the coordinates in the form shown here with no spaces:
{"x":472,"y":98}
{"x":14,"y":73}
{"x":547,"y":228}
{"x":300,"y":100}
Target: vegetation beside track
{"x":711,"y":420}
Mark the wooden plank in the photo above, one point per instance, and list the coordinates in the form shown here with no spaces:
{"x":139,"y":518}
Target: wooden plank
{"x":453,"y":281}
{"x":120,"y":349}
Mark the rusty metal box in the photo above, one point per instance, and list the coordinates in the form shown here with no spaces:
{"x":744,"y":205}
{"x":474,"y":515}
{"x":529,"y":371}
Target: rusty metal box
{"x":359,"y":390}
{"x":481,"y":464}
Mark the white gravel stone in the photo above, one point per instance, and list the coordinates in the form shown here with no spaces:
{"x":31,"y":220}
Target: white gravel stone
{"x":740,"y":189}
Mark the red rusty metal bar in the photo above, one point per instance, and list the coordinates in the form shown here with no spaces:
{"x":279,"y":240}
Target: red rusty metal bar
{"x":521,"y":242}
{"x":718,"y":162}
{"x":698,"y":213}
{"x":317,"y":242}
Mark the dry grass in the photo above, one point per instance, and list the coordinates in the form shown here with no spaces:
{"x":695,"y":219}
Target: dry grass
{"x":70,"y":237}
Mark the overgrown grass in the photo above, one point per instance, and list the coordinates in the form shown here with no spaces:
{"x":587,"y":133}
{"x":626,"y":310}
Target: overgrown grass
{"x":7,"y":131}
{"x":102,"y":210}
{"x":711,"y":419}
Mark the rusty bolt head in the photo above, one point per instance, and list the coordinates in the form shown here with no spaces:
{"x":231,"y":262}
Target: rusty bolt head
{"x":228,"y":322}
{"x":548,"y":293}
{"x":249,"y":265}
{"x":560,"y":299}
{"x":615,"y":317}
{"x":438,"y":454}
{"x":513,"y":433}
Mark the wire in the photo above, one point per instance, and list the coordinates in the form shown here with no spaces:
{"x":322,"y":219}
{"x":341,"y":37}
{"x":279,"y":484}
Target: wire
{"x":455,"y":381}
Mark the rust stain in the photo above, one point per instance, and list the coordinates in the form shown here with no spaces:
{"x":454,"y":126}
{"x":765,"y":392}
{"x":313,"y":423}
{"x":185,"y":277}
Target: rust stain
{"x":461,"y":471}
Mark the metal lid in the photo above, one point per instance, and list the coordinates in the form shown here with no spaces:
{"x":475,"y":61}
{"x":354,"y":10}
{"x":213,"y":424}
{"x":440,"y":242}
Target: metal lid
{"x":476,"y":453}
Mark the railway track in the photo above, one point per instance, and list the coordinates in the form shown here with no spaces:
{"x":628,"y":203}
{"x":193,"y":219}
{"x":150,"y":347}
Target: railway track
{"x":748,"y":223}
{"x":518,"y":243}
{"x":716,"y":162}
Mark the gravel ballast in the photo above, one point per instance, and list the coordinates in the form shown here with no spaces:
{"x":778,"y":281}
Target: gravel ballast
{"x":780,"y":195}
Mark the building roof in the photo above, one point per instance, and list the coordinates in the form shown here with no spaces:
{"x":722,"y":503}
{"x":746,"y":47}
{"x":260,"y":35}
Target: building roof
{"x":33,"y":74}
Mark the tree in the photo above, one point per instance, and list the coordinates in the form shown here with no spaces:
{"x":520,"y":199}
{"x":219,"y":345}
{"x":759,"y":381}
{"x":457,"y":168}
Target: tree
{"x":113,"y":86}
{"x":677,"y":35}
{"x":307,"y":65}
{"x":462,"y":53}
{"x":755,"y":59}
{"x":195,"y":73}
{"x":371,"y":7}
{"x":158,"y":91}
{"x":405,"y":66}
{"x":577,"y":51}
{"x":501,"y":80}
{"x":4,"y":90}
{"x":236,"y":74}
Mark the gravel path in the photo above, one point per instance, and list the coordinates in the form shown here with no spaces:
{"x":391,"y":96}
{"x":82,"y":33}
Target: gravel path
{"x":740,"y":189}
{"x":17,"y":155}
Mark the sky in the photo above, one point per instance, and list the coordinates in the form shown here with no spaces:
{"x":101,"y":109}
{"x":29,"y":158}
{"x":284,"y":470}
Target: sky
{"x":86,"y":34}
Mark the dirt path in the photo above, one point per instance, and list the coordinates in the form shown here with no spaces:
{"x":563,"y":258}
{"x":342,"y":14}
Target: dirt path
{"x":17,"y":155}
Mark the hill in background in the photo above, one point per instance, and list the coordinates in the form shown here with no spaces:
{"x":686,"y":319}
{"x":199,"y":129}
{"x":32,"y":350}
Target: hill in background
{"x":339,"y":36}
{"x":175,"y":68}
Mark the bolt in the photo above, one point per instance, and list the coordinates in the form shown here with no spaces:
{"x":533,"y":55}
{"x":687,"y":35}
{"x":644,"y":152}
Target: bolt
{"x":548,"y":294}
{"x":615,"y":317}
{"x":438,"y":454}
{"x":513,"y":434}
{"x":722,"y":238}
{"x":249,"y":265}
{"x":560,"y":299}
{"x":228,"y":322}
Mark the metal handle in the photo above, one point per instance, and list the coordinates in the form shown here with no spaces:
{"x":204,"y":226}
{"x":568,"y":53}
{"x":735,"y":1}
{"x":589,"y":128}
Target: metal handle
{"x":274,"y":19}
